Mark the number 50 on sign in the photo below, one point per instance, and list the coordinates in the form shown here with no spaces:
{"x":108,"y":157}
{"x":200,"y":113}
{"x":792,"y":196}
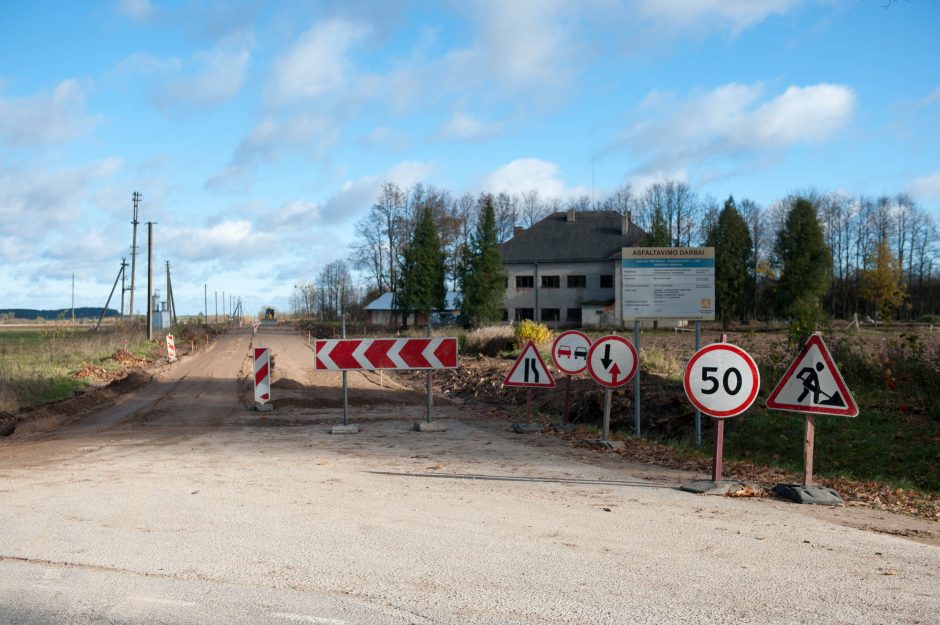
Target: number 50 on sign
{"x":722,"y":380}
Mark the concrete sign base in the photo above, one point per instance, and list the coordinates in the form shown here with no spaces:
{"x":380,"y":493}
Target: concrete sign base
{"x":605,"y":444}
{"x":818,"y":495}
{"x":527,"y":428}
{"x":344,"y":429}
{"x":264,"y":407}
{"x":563,"y":427}
{"x":722,"y":487}
{"x":424,"y":426}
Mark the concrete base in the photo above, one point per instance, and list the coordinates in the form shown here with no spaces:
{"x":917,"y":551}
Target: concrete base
{"x":599,"y":442}
{"x":344,"y":429}
{"x":433,"y":426}
{"x":563,"y":427}
{"x":818,"y":495}
{"x":264,"y":407}
{"x":527,"y":428}
{"x":710,"y":487}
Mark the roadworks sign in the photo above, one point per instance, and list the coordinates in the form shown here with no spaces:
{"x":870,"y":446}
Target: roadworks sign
{"x":530,"y":370}
{"x":813,"y":384}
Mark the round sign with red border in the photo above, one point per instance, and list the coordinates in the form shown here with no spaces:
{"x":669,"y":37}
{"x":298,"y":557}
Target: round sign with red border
{"x":612,"y":361}
{"x":721,"y":380}
{"x":570,"y":352}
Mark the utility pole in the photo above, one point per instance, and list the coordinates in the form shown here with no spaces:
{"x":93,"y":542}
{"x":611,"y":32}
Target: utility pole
{"x":223,"y":304}
{"x":216,"y":306}
{"x":135,"y":197}
{"x":123,"y":287}
{"x":73,"y":299}
{"x":170,"y":300}
{"x":205,"y":303}
{"x":149,"y":280}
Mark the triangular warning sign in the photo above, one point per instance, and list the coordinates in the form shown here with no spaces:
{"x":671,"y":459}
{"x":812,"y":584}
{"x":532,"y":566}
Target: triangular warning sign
{"x":529,"y":370}
{"x":813,"y":384}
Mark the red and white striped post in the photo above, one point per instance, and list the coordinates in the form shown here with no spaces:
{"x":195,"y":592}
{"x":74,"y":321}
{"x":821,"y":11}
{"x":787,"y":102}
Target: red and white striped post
{"x":170,"y":348}
{"x":262,"y":376}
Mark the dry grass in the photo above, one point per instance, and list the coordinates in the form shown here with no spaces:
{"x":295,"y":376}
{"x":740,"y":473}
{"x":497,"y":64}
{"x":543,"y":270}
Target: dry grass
{"x":489,"y":341}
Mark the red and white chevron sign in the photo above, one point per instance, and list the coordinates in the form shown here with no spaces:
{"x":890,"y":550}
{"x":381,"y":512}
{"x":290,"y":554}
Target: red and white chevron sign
{"x":262,"y":369}
{"x":417,"y":353}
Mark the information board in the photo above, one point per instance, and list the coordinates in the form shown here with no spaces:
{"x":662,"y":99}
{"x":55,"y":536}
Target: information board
{"x":668,"y":283}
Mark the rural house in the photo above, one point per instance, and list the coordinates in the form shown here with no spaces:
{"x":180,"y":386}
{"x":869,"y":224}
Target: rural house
{"x":382,"y":312}
{"x":565,"y":269}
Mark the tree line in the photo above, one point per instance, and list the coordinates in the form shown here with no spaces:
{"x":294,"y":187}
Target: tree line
{"x":877,"y":257}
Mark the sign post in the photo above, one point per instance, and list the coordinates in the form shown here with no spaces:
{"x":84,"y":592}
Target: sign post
{"x":529,"y":371}
{"x":721,"y":380}
{"x":569,"y":354}
{"x":612,"y":362}
{"x":170,"y":348}
{"x":262,"y":377}
{"x":812,"y":385}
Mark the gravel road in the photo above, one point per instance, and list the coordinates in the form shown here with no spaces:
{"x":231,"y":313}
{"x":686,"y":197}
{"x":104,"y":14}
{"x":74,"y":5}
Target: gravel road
{"x":177,"y":504}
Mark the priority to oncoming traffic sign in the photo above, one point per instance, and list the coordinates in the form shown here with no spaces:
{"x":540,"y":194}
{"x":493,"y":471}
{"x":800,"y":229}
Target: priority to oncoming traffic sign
{"x":569,"y":352}
{"x":612,"y":361}
{"x":721,"y":380}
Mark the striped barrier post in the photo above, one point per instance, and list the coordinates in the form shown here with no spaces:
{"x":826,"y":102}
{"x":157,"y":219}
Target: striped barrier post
{"x":170,"y":348}
{"x":262,"y":376}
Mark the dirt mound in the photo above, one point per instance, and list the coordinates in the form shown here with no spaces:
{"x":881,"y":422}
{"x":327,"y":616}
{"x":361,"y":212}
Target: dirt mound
{"x":7,"y":424}
{"x":288,"y":384}
{"x":128,"y":360}
{"x":100,"y":373}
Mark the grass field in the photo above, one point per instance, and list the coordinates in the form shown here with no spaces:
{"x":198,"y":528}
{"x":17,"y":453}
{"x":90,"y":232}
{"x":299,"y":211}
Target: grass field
{"x":38,"y":364}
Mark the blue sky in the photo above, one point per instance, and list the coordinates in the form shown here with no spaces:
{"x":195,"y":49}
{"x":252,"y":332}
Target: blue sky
{"x":259,"y":132}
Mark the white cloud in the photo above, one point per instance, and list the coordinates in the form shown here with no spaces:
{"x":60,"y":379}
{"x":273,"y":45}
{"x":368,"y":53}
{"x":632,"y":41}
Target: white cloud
{"x":733,"y":121}
{"x":137,"y":10}
{"x":317,"y":63}
{"x":466,"y":128}
{"x":356,"y":196}
{"x":45,"y":118}
{"x":218,"y":77}
{"x":226,"y":241}
{"x":736,"y":15}
{"x":925,"y":188}
{"x":528,"y":174}
{"x":143,"y":63}
{"x":388,"y":138}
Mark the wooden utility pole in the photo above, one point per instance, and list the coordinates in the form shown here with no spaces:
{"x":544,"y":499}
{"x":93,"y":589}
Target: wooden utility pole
{"x":73,"y":299}
{"x":123,"y":286}
{"x":205,"y":302}
{"x":136,"y":199}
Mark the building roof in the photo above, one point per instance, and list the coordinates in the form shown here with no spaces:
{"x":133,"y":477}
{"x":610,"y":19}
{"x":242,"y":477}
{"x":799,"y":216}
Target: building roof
{"x":385,"y":301}
{"x":593,"y":235}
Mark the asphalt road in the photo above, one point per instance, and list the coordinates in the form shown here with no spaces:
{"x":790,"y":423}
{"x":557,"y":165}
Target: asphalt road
{"x":179,"y":505}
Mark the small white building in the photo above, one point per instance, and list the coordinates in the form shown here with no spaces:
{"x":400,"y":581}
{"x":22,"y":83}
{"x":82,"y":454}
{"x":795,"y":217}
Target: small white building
{"x":382,"y":312}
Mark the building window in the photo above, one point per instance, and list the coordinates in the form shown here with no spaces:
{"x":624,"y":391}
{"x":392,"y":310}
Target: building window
{"x":525,"y":313}
{"x":525,"y":282}
{"x":505,"y":315}
{"x":551,"y":282}
{"x":551,"y":314}
{"x":607,"y":281}
{"x":577,"y":282}
{"x":574,"y":315}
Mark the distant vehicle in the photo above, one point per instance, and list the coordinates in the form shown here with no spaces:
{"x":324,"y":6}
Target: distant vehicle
{"x":269,"y":314}
{"x":565,"y":350}
{"x":446,"y":320}
{"x":580,"y":352}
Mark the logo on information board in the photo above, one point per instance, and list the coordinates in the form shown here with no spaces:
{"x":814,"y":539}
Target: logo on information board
{"x":813,"y":384}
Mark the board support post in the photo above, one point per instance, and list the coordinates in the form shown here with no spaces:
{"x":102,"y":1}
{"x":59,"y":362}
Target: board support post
{"x":808,"y":444}
{"x":607,"y":401}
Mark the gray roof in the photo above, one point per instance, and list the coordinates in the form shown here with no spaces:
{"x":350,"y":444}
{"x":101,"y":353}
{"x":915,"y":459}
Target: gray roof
{"x":385,"y":301}
{"x":593,"y":235}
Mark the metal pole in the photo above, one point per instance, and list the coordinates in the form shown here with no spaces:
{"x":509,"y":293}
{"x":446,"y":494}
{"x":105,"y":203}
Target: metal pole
{"x":345,"y":387}
{"x":430,"y":376}
{"x":808,"y":443}
{"x":149,"y":280}
{"x":698,"y":413}
{"x":636,"y":380}
{"x":607,"y":401}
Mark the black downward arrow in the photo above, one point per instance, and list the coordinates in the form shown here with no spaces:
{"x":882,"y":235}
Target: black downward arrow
{"x":606,"y":360}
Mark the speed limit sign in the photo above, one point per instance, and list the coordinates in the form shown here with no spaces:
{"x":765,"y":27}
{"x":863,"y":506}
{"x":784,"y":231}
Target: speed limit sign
{"x":721,"y":380}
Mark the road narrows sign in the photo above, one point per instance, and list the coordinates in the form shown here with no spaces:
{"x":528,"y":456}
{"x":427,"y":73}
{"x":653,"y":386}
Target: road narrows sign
{"x":372,"y":354}
{"x":569,"y":352}
{"x":530,"y":370}
{"x":612,"y":361}
{"x":721,"y":380}
{"x":813,"y":384}
{"x":262,"y":371}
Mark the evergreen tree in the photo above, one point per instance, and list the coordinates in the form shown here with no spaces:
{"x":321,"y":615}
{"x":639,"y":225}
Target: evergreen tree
{"x":731,"y":239}
{"x":659,"y":230}
{"x":484,"y":278}
{"x":422,"y":288}
{"x":805,"y":265}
